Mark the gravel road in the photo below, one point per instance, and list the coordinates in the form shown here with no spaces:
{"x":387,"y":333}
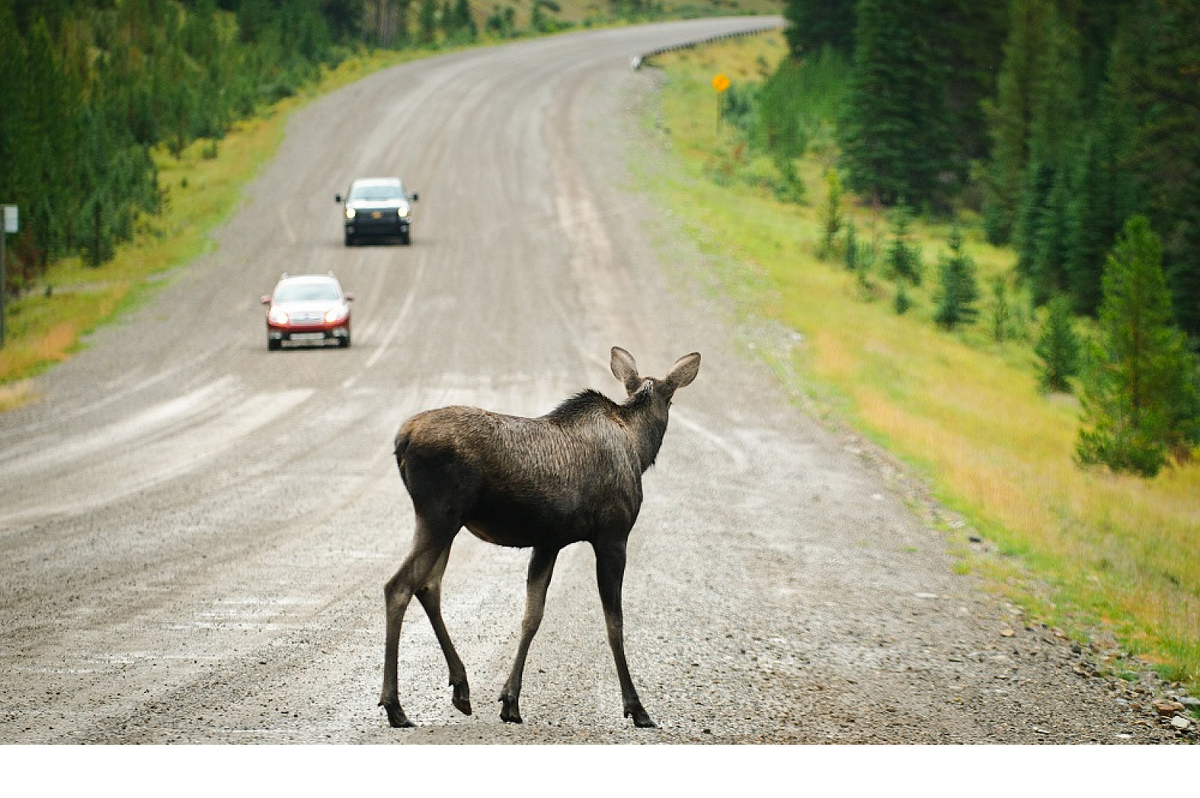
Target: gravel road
{"x":197,"y":532}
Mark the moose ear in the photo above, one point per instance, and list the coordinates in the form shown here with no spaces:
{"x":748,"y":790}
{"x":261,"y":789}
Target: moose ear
{"x":625,"y":369}
{"x":684,"y":371}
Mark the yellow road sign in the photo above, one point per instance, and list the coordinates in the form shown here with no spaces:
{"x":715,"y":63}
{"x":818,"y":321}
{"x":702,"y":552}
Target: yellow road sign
{"x":720,"y":83}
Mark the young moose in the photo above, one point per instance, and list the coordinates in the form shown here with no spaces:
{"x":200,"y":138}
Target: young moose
{"x":572,"y":475}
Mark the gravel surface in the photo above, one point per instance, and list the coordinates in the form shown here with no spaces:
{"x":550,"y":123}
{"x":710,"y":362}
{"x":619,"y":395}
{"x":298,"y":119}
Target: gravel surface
{"x":197,"y":532}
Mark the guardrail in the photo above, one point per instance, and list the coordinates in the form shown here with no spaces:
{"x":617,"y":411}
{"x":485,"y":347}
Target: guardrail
{"x":636,"y":61}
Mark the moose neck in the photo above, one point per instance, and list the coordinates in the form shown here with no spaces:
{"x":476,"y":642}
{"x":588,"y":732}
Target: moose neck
{"x":646,"y":428}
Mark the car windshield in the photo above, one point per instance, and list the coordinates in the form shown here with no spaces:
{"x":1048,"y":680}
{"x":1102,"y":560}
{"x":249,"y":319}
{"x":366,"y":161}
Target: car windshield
{"x":306,"y":292}
{"x":376,"y":192}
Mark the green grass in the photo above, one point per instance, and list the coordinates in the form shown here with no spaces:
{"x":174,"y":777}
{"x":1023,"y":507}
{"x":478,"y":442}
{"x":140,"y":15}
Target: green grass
{"x":1096,"y":554}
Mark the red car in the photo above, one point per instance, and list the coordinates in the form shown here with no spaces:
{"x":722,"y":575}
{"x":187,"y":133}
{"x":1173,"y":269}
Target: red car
{"x":308,"y":308}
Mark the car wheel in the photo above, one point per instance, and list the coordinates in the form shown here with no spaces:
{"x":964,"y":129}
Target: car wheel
{"x":273,"y":344}
{"x":405,"y":239}
{"x":349,"y":240}
{"x":344,"y":343}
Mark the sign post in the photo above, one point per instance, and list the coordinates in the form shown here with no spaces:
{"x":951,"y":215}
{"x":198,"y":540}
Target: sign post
{"x":721,"y":82}
{"x":10,"y":226}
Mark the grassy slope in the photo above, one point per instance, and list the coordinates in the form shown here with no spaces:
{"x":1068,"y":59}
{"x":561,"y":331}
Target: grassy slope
{"x":1097,"y":554}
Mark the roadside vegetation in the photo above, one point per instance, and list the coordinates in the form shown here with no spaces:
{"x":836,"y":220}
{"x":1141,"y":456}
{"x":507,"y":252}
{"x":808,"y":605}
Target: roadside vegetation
{"x":917,"y":326}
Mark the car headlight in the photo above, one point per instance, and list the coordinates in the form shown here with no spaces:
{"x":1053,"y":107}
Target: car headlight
{"x":277,"y":316}
{"x":403,"y":211}
{"x":337,"y":314}
{"x":349,"y":213}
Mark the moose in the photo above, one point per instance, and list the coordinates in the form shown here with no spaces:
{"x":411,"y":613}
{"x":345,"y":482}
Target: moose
{"x":572,"y":475}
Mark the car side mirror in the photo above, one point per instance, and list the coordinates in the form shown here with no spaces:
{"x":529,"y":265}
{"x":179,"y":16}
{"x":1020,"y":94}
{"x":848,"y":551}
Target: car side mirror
{"x":266,"y":300}
{"x":349,"y":296}
{"x":415,"y":196}
{"x":337,"y":197}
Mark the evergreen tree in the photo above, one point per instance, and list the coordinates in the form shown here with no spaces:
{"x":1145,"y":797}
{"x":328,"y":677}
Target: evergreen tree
{"x":345,"y":18}
{"x":427,"y":21}
{"x":893,"y":131}
{"x":50,"y":134}
{"x":968,"y":45}
{"x":1010,"y":116}
{"x":902,"y":301}
{"x":831,"y":215}
{"x":98,"y":240}
{"x":464,"y":22}
{"x":1001,"y":314}
{"x":903,"y":259}
{"x":1158,"y":53}
{"x":859,"y":257}
{"x":1140,"y":401}
{"x":1045,"y":244}
{"x":959,"y":291}
{"x":816,"y":24}
{"x":1101,"y":201}
{"x":1058,"y":346}
{"x":254,"y":19}
{"x":1055,"y":126}
{"x":850,"y":250}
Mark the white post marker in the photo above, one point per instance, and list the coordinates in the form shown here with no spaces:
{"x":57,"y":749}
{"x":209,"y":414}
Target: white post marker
{"x":10,"y":226}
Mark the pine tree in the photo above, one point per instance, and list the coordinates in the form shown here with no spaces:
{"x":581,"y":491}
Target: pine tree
{"x":902,"y":301}
{"x":1001,"y":313}
{"x":1140,"y":401}
{"x":831,"y":216}
{"x":1040,"y":236}
{"x":893,"y":130}
{"x":1011,"y":115}
{"x":903,"y":259}
{"x":1047,"y":241}
{"x":850,"y":249}
{"x":427,"y":21}
{"x":817,"y":24}
{"x":1101,"y":201}
{"x":959,"y":291}
{"x":98,"y":237}
{"x":464,"y":22}
{"x":968,"y":43}
{"x":1058,"y":346}
{"x":1158,"y":54}
{"x":859,"y":257}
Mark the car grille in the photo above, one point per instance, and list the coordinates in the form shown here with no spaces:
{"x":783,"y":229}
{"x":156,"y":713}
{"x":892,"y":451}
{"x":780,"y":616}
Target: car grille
{"x":307,"y":317}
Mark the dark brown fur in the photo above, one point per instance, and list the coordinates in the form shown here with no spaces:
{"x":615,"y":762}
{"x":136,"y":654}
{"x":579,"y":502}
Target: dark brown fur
{"x":572,"y":475}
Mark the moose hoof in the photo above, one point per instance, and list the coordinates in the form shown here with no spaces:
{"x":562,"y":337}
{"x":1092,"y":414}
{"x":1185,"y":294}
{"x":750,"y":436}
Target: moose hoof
{"x":396,"y":717}
{"x":641,"y":718}
{"x":510,"y":713}
{"x":462,"y":698}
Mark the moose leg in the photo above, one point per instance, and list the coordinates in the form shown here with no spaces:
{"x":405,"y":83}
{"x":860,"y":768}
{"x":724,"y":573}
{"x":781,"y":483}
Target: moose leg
{"x":430,"y":596}
{"x":541,"y":568}
{"x":427,"y":549}
{"x":610,"y":574}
